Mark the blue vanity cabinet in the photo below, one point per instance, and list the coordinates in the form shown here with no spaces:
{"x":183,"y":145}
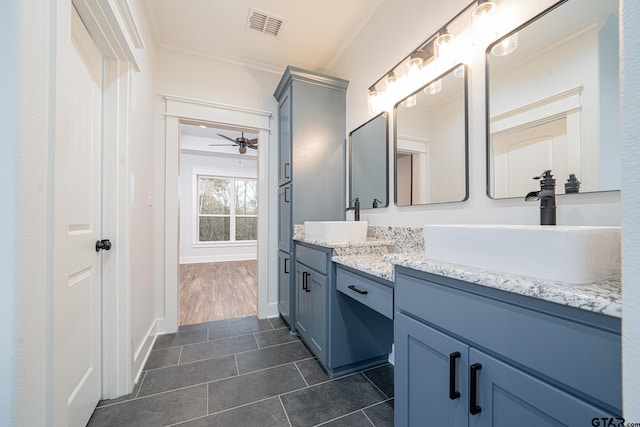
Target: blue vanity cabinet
{"x":311,"y":158}
{"x":284,"y":290}
{"x":284,"y":139}
{"x":285,"y":226}
{"x":472,"y":355}
{"x":344,"y":334}
{"x":311,"y":289}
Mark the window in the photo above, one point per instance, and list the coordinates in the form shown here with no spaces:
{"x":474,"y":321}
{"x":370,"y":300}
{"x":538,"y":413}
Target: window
{"x":227,"y":209}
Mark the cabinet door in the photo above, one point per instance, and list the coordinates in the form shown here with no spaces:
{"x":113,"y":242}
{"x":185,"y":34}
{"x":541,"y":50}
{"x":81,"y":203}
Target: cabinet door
{"x":284,"y":285}
{"x":302,"y":310}
{"x":430,"y":376}
{"x":284,"y":218}
{"x":507,"y":396}
{"x":284,"y":140}
{"x":318,"y":285}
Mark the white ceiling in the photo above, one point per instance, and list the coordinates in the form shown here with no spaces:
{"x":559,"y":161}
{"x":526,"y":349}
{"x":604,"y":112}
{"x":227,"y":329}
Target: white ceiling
{"x":198,"y":137}
{"x":313,"y":36}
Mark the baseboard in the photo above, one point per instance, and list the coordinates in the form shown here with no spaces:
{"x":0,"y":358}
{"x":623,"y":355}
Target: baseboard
{"x":218,"y":258}
{"x":270,"y":311}
{"x":142,"y":352}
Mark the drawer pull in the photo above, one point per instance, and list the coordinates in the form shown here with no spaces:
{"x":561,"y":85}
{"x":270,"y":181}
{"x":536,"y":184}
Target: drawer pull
{"x":474,"y":408}
{"x":305,"y":281}
{"x":453,"y":394}
{"x":360,"y":291}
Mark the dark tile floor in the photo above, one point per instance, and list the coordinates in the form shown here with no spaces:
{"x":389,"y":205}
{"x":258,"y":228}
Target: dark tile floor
{"x":246,"y":372}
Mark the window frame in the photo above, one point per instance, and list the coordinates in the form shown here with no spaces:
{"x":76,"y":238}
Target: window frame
{"x":232,"y":210}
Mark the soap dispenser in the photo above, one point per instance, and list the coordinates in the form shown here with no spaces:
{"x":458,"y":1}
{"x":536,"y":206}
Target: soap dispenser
{"x":572,"y":185}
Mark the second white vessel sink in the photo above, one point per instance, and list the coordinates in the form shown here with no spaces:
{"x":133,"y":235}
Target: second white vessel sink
{"x":566,"y":254}
{"x":336,"y":231}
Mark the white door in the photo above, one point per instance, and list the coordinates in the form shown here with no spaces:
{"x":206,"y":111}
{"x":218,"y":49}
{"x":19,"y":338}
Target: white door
{"x":77,"y":303}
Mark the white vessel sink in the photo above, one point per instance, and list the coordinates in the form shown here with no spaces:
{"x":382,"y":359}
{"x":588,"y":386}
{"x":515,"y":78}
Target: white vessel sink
{"x":567,"y":254}
{"x":336,"y":231}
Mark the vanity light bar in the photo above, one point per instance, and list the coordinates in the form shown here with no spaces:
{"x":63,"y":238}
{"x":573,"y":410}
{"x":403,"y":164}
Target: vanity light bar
{"x":408,"y":74}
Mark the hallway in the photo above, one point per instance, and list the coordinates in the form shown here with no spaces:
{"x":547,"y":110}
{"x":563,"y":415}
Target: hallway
{"x":246,"y":372}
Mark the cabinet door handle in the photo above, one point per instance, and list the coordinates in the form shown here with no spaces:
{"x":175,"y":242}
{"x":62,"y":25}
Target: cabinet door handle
{"x":360,"y":291}
{"x":286,"y":194}
{"x":307,"y":283}
{"x":453,"y":394}
{"x":286,"y":266}
{"x":474,"y":408}
{"x":286,"y":170}
{"x":304,"y":280}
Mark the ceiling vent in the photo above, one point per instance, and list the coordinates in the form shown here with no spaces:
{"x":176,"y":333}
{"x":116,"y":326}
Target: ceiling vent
{"x":264,"y":22}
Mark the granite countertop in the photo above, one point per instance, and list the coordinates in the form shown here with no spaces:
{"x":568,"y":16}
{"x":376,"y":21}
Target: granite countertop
{"x":404,"y":246}
{"x":604,"y":296}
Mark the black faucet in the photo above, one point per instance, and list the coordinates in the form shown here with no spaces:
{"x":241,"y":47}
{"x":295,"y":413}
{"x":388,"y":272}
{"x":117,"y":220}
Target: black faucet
{"x":376,"y":202}
{"x":355,"y":209}
{"x":547,"y":197}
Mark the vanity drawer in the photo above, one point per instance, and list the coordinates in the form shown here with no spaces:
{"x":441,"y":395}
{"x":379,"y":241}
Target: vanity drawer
{"x":366,"y":291}
{"x":312,"y":258}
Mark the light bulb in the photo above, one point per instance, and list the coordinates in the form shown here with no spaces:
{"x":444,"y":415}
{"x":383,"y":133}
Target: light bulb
{"x":409,"y":102}
{"x":444,"y":50}
{"x":483,"y":23}
{"x":433,"y":88}
{"x":413,"y":72}
{"x":414,"y":65}
{"x":374,"y":101}
{"x":506,"y":46}
{"x":391,"y":87}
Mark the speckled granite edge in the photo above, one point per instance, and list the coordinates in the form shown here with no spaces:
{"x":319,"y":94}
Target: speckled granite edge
{"x":343,"y":245}
{"x":371,"y":264}
{"x":603,"y":297}
{"x":406,"y":239}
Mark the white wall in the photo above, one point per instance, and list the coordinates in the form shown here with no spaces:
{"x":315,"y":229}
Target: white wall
{"x":393,"y":33}
{"x":191,"y":165}
{"x":630,"y":97}
{"x":142,"y":202}
{"x":25,"y":236}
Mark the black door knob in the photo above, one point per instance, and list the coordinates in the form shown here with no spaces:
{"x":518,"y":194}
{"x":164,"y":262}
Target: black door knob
{"x":103,"y":244}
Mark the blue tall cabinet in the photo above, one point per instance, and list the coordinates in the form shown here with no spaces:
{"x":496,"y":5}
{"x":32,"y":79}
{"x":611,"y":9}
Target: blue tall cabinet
{"x":311,"y":164}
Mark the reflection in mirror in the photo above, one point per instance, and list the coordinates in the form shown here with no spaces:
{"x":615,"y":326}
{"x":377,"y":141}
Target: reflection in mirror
{"x":431,"y":142}
{"x":553,"y":102}
{"x":369,"y":163}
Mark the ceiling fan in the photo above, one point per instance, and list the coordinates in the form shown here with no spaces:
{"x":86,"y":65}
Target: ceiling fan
{"x":242,"y":143}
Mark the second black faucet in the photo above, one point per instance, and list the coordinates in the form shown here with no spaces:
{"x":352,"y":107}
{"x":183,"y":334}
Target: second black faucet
{"x":547,"y":197}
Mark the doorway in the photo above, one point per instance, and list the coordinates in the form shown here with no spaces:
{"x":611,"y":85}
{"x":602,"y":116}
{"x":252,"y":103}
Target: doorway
{"x":179,"y":110}
{"x":218,"y":277}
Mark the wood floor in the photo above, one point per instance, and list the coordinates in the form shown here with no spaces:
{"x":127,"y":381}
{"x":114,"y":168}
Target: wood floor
{"x":218,"y":291}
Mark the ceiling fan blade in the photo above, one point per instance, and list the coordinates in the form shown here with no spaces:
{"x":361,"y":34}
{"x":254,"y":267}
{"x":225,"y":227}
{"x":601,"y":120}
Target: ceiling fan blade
{"x":255,"y":147}
{"x":226,"y":137}
{"x":253,"y":141}
{"x":222,"y":145}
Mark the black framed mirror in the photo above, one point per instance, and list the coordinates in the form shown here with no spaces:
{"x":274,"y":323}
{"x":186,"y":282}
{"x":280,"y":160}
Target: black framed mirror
{"x":552,"y":102}
{"x":369,"y":163}
{"x":431,"y":142}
